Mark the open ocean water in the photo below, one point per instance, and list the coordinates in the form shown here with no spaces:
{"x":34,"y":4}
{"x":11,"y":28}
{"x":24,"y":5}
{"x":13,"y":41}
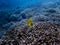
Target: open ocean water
{"x":10,"y":11}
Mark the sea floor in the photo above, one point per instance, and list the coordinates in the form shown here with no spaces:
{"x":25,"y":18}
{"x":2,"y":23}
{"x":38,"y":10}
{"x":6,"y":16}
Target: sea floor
{"x":40,"y":33}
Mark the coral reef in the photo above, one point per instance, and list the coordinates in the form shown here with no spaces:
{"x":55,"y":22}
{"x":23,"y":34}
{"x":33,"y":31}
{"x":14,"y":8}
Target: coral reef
{"x":40,"y":13}
{"x":40,"y":33}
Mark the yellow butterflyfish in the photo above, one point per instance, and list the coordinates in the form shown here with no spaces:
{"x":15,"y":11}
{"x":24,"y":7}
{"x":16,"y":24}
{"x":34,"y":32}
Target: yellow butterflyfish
{"x":29,"y":22}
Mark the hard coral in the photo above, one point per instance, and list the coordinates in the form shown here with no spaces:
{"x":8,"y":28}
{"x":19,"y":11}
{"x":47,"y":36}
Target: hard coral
{"x":46,"y":33}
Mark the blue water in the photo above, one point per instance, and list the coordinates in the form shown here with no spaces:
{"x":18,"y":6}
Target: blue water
{"x":6,"y":20}
{"x":21,"y":3}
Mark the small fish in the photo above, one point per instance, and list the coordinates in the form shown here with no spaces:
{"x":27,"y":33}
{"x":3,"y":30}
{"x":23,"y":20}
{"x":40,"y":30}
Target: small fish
{"x":29,"y":22}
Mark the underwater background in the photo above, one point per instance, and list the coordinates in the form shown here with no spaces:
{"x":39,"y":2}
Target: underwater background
{"x":12,"y":11}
